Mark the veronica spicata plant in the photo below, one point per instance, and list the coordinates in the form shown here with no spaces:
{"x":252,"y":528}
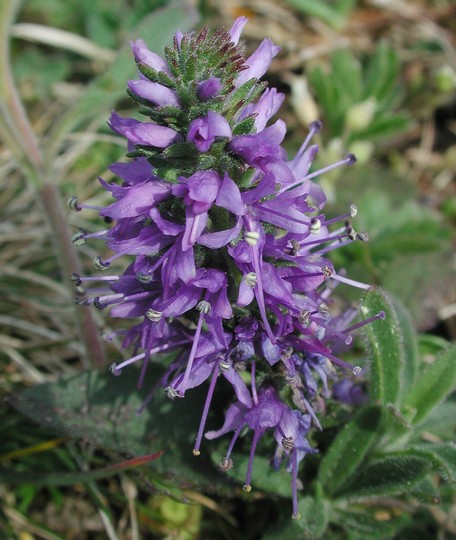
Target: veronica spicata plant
{"x":227,"y":245}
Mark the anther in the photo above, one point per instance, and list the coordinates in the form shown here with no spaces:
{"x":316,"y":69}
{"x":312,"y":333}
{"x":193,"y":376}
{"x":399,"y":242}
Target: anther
{"x":296,"y":515}
{"x":144,"y":278}
{"x":351,"y":233}
{"x":76,"y":279}
{"x":204,"y":307}
{"x":315,"y":225}
{"x":316,"y":126}
{"x":196,"y":452}
{"x":78,"y":237}
{"x":323,"y":309}
{"x":292,"y":380}
{"x":251,"y":237}
{"x":153,"y":315}
{"x":250,"y":279}
{"x":226,"y":464}
{"x":357,"y":370}
{"x":247,"y":488}
{"x":353,"y":210}
{"x":304,"y":317}
{"x":98,"y":304}
{"x":327,"y":272}
{"x":350,"y":159}
{"x":286,"y":353}
{"x":363,"y":236}
{"x":73,"y":204}
{"x":115,"y":370}
{"x":295,"y":247}
{"x":224,"y":366}
{"x":171,"y":392}
{"x":288,"y":444}
{"x":100,"y":265}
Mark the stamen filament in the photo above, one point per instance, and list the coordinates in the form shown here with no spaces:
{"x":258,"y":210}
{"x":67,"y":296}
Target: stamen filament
{"x":351,"y":282}
{"x":256,"y":437}
{"x":192,"y":354}
{"x":207,"y":404}
{"x":380,"y":315}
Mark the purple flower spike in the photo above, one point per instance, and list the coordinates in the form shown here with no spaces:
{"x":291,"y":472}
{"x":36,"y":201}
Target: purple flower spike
{"x":227,"y":244}
{"x":203,"y":131}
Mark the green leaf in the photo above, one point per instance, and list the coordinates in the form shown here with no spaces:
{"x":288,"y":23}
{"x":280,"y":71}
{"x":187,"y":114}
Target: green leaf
{"x":440,"y":422}
{"x":410,"y":345}
{"x":321,"y":10}
{"x":435,"y":383}
{"x":346,"y":70}
{"x":430,"y":345}
{"x":102,"y":94}
{"x":385,"y":345}
{"x":443,"y":459}
{"x":427,"y":491}
{"x":391,"y":475}
{"x":383,"y":127}
{"x":382,"y":72}
{"x":264,"y":477}
{"x":102,"y":410}
{"x":311,"y":526}
{"x":369,"y":524}
{"x":68,"y":478}
{"x":349,"y":448}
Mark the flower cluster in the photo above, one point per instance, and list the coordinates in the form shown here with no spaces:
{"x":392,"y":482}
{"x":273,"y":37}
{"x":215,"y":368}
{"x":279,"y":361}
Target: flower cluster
{"x":227,"y":244}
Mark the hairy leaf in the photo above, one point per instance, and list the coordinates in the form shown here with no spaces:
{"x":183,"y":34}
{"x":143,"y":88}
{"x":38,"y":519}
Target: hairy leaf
{"x":102,"y":411}
{"x":349,"y":448}
{"x":385,"y":345}
{"x":433,"y":385}
{"x":392,"y":475}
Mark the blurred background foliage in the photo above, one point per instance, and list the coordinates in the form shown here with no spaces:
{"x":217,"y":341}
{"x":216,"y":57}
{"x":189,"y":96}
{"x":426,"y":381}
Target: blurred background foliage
{"x":382,"y":78}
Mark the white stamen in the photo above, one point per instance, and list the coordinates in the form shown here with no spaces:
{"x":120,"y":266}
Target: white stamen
{"x":315,"y":226}
{"x":251,"y":237}
{"x":250,"y":279}
{"x":153,"y":315}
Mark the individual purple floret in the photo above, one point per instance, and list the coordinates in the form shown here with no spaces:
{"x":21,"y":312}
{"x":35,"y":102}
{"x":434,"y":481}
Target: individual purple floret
{"x":226,"y":244}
